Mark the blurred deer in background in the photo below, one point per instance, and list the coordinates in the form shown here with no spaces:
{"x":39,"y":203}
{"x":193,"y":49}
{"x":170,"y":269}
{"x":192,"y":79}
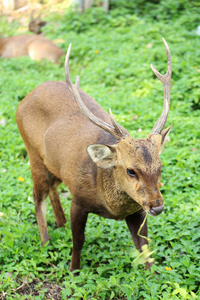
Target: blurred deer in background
{"x":70,"y":138}
{"x":37,"y":47}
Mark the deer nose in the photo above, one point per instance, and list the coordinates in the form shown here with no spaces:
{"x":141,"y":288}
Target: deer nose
{"x":154,"y":211}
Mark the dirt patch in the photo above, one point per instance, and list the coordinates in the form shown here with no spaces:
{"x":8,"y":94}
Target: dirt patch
{"x":51,"y":291}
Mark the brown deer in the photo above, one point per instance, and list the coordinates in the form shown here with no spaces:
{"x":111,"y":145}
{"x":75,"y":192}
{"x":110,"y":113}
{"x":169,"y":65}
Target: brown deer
{"x":70,"y":138}
{"x":35,"y":46}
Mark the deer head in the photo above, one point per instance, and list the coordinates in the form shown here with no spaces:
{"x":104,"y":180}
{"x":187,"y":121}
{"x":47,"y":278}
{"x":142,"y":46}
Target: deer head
{"x":36,"y":24}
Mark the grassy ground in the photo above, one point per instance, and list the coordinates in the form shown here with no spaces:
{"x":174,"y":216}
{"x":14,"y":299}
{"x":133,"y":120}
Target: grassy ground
{"x":112,"y":54}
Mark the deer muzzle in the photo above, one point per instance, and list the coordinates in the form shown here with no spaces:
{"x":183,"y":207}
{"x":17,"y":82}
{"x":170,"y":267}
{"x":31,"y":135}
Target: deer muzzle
{"x":155,"y":211}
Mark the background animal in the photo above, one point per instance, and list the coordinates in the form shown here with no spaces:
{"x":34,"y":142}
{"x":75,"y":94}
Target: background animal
{"x":70,"y":138}
{"x":36,"y":47}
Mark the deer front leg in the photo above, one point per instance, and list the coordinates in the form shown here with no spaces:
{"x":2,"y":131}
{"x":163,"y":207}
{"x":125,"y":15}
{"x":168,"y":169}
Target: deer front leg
{"x":78,"y":222}
{"x":134,"y":222}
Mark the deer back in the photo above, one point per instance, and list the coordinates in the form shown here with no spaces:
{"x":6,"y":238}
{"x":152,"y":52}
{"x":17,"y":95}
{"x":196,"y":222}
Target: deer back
{"x":15,"y":46}
{"x":35,"y":46}
{"x":42,"y":48}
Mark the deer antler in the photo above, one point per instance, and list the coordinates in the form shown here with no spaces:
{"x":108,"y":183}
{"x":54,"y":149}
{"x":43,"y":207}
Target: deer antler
{"x":115,"y":130}
{"x":165,"y":79}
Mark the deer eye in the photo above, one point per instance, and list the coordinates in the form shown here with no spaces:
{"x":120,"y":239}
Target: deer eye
{"x":131,"y":173}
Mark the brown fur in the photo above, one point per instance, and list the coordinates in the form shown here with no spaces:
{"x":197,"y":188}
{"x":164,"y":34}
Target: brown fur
{"x":56,"y":135}
{"x":36,"y":24}
{"x":35,"y":46}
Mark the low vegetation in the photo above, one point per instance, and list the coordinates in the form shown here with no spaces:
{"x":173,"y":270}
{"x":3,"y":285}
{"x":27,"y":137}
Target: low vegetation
{"x":112,"y":54}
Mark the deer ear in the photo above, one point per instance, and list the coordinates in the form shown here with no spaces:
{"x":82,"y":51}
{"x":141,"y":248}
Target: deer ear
{"x":102,"y":155}
{"x":165,"y":138}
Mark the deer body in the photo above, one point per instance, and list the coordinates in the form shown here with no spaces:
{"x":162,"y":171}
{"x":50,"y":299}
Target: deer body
{"x":35,"y":46}
{"x":61,"y":159}
{"x":70,"y":138}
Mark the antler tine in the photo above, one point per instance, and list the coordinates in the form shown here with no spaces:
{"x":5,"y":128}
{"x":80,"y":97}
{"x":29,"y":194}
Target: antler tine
{"x":117,"y":128}
{"x":77,"y":81}
{"x":165,"y":79}
{"x":67,"y":76}
{"x":114,"y":130}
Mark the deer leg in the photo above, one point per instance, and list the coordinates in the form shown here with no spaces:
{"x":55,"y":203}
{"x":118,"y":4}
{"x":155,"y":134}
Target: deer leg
{"x":134,"y":222}
{"x":40,"y":209}
{"x":55,"y":201}
{"x":78,"y":222}
{"x":40,"y":176}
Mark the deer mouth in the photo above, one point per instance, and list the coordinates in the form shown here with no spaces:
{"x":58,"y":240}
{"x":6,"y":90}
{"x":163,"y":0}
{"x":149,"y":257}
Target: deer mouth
{"x":155,"y":211}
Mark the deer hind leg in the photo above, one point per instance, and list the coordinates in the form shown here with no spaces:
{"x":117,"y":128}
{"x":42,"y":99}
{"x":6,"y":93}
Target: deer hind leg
{"x":78,"y":222}
{"x":40,"y":176}
{"x":55,"y":201}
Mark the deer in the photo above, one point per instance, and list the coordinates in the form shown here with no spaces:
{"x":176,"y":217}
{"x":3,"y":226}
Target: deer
{"x":36,"y":47}
{"x":70,"y":138}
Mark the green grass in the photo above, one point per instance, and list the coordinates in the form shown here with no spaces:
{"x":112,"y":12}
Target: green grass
{"x":119,"y":76}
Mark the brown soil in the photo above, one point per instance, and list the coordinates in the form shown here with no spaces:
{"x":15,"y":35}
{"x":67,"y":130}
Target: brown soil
{"x":51,"y":291}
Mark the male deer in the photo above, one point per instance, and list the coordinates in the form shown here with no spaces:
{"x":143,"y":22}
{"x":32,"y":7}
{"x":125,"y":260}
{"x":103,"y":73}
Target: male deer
{"x":35,"y":46}
{"x":70,"y":138}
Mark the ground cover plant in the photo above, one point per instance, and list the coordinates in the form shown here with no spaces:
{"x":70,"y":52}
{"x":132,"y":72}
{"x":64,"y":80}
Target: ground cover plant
{"x":112,"y":54}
